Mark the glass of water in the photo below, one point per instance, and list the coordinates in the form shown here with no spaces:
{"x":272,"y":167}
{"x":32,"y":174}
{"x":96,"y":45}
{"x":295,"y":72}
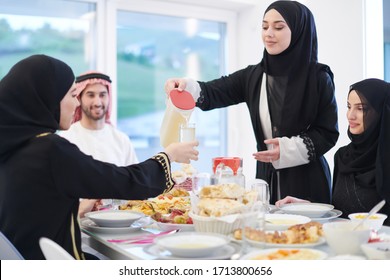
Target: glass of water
{"x":187,"y":132}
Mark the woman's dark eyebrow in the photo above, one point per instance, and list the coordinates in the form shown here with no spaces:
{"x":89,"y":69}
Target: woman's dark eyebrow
{"x":277,"y":21}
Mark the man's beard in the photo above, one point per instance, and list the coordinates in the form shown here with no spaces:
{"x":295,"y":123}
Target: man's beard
{"x":91,"y":116}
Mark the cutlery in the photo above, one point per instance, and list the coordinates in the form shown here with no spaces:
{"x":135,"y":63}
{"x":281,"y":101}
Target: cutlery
{"x":373,"y":211}
{"x":143,"y":238}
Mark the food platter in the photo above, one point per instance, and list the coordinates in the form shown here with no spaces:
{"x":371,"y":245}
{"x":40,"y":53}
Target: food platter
{"x":284,"y":254}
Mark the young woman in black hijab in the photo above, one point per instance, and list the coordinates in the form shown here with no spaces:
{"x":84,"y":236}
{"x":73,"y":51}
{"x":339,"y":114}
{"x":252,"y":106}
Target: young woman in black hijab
{"x":42,"y":175}
{"x":291,"y":101}
{"x":361,"y":176}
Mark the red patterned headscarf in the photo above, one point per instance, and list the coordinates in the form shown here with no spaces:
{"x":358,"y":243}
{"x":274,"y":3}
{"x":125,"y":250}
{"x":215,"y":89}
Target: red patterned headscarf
{"x":90,"y":78}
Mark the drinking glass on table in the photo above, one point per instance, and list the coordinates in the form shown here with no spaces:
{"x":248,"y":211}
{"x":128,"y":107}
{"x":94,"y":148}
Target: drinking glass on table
{"x":261,"y":187}
{"x":253,"y":216}
{"x":199,"y":180}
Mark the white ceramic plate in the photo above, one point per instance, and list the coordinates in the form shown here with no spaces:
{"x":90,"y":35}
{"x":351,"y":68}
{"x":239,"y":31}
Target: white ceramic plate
{"x":328,"y":216}
{"x":89,"y":225}
{"x":114,"y":218}
{"x":192,"y":244}
{"x":170,"y":226}
{"x":311,"y":210}
{"x":309,"y":254}
{"x":221,"y":254}
{"x":283,"y":221}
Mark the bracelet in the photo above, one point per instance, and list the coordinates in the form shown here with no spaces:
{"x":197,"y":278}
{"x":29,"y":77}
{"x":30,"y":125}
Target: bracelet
{"x":163,"y":159}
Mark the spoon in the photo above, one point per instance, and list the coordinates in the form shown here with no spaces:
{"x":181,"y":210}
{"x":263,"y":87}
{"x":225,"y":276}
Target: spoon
{"x":373,"y":211}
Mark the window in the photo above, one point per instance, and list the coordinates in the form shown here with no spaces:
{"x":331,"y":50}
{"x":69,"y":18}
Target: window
{"x":40,"y":27}
{"x":152,"y":48}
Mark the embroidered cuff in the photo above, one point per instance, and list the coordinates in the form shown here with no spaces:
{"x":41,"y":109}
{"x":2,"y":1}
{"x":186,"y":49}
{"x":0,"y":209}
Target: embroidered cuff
{"x":311,"y":152}
{"x":163,"y":159}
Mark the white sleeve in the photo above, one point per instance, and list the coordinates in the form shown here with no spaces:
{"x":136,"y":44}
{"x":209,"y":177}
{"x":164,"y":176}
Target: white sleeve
{"x":293,"y":152}
{"x":193,"y":87}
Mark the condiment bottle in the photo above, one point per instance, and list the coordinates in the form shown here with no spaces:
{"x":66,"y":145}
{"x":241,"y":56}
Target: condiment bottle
{"x":180,"y":105}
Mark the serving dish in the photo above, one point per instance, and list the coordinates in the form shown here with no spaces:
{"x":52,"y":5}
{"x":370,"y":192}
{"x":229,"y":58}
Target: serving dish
{"x":192,"y":244}
{"x":285,"y":254}
{"x":114,"y":218}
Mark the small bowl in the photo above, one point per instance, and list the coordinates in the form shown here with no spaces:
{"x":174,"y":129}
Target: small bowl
{"x":374,"y":222}
{"x":114,"y":218}
{"x":192,"y":244}
{"x":223,"y":225}
{"x":283,"y":221}
{"x":171,"y":226}
{"x":311,"y":210}
{"x":377,"y":250}
{"x":343,"y":240}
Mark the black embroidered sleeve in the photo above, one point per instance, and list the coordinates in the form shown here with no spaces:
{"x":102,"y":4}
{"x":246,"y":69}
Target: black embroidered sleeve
{"x":311,"y":152}
{"x":163,"y":159}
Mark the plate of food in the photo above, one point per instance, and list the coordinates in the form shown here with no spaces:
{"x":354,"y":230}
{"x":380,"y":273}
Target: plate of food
{"x":301,"y":235}
{"x":286,"y":254}
{"x":283,"y":221}
{"x":177,"y":219}
{"x":91,"y":226}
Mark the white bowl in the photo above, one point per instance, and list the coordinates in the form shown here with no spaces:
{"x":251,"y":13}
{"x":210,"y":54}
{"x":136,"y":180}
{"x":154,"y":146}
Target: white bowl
{"x":171,"y":226}
{"x":283,"y":221}
{"x":377,"y":250}
{"x":312,"y":210}
{"x":223,"y":225}
{"x":374,"y":222}
{"x":114,"y":218}
{"x":192,"y":244}
{"x":343,"y":240}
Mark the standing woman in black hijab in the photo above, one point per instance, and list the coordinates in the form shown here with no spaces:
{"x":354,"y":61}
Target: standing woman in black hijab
{"x":43,"y":175}
{"x":362,"y":168}
{"x":290,"y":97}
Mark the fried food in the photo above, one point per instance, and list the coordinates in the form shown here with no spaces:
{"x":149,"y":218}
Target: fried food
{"x":297,"y":234}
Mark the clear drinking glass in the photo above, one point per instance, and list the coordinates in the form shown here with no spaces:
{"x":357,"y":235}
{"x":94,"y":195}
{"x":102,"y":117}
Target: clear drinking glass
{"x":187,"y":132}
{"x":199,"y":180}
{"x":253,"y":216}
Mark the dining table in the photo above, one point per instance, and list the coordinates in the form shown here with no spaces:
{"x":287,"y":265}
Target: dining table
{"x":120,"y":244}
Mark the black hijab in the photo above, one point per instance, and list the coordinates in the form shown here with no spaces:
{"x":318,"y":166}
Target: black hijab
{"x":367,"y":157}
{"x":292,"y":77}
{"x":30,"y":96}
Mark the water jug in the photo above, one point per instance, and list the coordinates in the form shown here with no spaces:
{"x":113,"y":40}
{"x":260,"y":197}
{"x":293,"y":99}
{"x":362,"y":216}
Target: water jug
{"x":180,"y":105}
